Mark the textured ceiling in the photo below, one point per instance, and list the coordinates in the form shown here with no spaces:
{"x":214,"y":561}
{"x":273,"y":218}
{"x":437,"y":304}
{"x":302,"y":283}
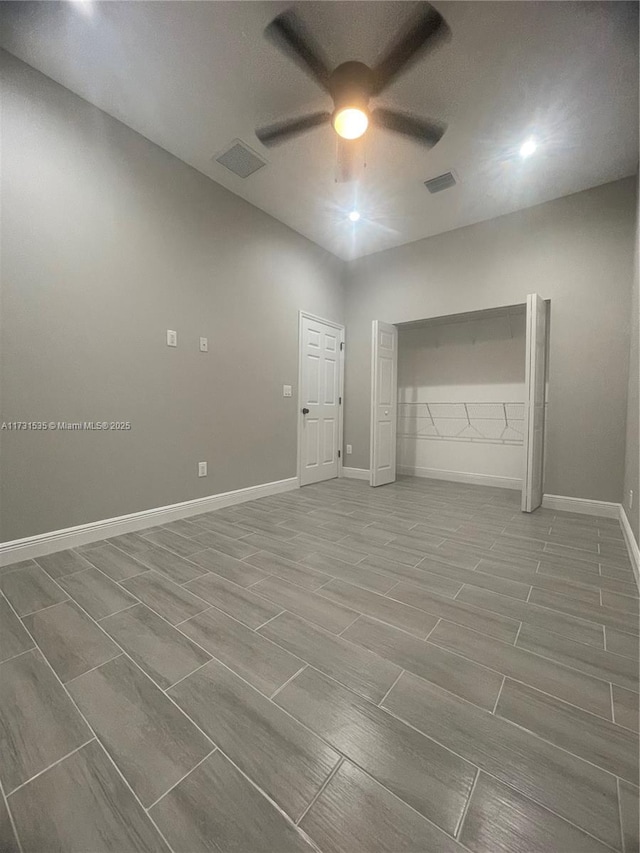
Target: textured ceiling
{"x":193,"y":76}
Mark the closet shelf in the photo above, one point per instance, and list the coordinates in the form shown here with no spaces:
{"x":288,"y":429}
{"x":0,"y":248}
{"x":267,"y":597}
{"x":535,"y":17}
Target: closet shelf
{"x":488,"y":422}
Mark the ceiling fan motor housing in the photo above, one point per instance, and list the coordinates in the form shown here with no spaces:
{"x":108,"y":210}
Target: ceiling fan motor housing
{"x":351,"y":85}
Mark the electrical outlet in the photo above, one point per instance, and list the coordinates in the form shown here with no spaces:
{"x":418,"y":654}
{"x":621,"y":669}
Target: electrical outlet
{"x":286,"y":390}
{"x":349,"y":448}
{"x":204,"y":345}
{"x":202,"y":469}
{"x":630,"y":498}
{"x":172,"y":338}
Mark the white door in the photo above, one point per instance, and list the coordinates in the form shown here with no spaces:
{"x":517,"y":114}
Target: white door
{"x":534,"y":402}
{"x":384,"y":403}
{"x":320,"y":399}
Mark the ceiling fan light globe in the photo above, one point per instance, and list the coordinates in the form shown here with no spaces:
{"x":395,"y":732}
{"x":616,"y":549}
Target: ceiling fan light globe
{"x":350,"y":122}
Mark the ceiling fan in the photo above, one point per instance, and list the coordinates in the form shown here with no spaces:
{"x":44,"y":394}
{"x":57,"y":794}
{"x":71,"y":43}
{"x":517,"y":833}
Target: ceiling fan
{"x":352,"y":84}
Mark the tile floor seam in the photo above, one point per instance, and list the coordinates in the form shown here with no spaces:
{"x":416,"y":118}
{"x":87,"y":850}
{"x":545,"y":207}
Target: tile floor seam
{"x":207,"y":604}
{"x":182,"y":778}
{"x":513,"y":619}
{"x":327,"y":582}
{"x":193,"y":615}
{"x":460,"y":824}
{"x":48,"y":607}
{"x":13,"y":657}
{"x":495,"y":704}
{"x":602,"y":625}
{"x":526,"y":683}
{"x":613,"y":710}
{"x":254,"y":583}
{"x":126,"y":553}
{"x":49,"y":766}
{"x":105,"y":575}
{"x":320,"y":790}
{"x":561,"y":748}
{"x":193,"y":671}
{"x":115,"y":613}
{"x":620,"y":820}
{"x":426,"y":639}
{"x":135,"y":796}
{"x":378,"y":619}
{"x":257,"y":628}
{"x":97,"y":666}
{"x":395,"y":681}
{"x":345,"y":628}
{"x":515,"y":639}
{"x":12,"y":822}
{"x":290,"y":679}
{"x":71,"y":574}
{"x":266,"y":796}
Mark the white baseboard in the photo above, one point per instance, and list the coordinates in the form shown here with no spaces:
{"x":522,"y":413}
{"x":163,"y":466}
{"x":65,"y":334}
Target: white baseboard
{"x":356,"y":473}
{"x":582,"y":506}
{"x":72,"y":537}
{"x":632,"y":545}
{"x":463,"y":477}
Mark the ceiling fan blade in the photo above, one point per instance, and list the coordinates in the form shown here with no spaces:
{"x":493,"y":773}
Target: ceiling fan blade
{"x":288,"y":34}
{"x":273,"y":134}
{"x":425,"y":28}
{"x":423,"y":130}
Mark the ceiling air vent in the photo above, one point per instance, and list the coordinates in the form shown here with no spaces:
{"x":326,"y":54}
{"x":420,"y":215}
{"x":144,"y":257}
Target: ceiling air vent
{"x":442,"y":182}
{"x":240,"y":159}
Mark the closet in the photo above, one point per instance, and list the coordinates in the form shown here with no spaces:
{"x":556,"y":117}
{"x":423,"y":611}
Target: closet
{"x":462,"y":398}
{"x":461,"y":386}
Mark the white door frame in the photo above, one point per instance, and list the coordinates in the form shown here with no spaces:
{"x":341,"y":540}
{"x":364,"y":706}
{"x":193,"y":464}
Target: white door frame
{"x":302,"y":315}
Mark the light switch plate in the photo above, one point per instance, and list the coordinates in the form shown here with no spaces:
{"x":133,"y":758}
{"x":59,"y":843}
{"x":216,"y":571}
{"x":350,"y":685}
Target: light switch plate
{"x":286,"y":390}
{"x":202,"y":469}
{"x":204,"y":345}
{"x":172,"y":338}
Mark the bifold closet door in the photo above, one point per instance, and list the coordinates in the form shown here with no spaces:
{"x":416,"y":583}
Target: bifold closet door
{"x":534,"y":402}
{"x":384,"y":403}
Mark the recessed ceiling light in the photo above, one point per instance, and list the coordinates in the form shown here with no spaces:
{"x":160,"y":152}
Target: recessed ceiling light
{"x":85,"y":6}
{"x":528,"y":148}
{"x":354,"y":216}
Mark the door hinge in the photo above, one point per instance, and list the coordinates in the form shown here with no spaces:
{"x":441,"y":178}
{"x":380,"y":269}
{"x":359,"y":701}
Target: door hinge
{"x":339,"y":401}
{"x":341,"y":345}
{"x":339,"y":454}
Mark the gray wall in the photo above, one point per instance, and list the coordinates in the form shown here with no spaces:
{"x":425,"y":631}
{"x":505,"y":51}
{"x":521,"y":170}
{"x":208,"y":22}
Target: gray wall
{"x":108,"y":241}
{"x":576,"y":251}
{"x":632,"y":457}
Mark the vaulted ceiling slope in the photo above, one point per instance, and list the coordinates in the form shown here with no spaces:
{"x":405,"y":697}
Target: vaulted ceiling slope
{"x":194,"y":76}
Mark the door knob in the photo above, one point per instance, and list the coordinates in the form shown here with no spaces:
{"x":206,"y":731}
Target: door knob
{"x":305,"y":411}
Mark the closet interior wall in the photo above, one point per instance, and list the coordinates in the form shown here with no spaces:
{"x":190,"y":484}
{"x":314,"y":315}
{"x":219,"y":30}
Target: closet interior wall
{"x":461,"y":385}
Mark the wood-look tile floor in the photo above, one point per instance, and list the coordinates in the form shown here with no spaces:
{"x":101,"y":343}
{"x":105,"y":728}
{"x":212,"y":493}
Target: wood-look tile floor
{"x":418,"y":668}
